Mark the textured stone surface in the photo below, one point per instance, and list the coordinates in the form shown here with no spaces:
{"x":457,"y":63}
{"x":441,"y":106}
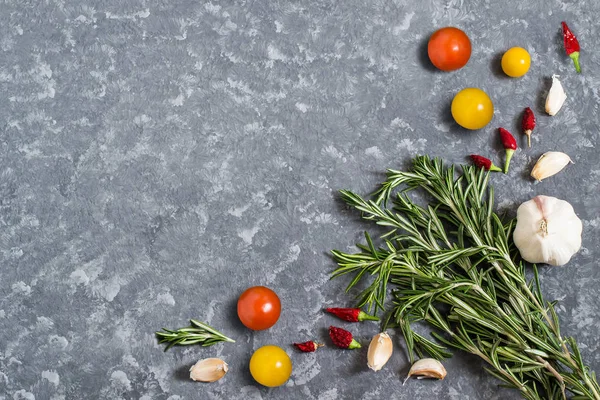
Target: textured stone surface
{"x":158,"y":157}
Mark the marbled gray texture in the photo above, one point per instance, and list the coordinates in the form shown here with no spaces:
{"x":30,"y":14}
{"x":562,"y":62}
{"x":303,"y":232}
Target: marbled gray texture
{"x":158,"y":157}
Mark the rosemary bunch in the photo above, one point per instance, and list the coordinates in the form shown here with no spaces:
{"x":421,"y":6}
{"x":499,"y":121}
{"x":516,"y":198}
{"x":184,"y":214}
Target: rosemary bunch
{"x":451,"y":264}
{"x":197,"y":333}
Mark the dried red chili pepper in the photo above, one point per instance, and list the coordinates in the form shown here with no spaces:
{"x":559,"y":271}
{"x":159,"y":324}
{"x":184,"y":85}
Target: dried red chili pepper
{"x":485,"y":163}
{"x":351,"y":314}
{"x":528,"y":124}
{"x":308,"y":347}
{"x":571,"y":45}
{"x":510,"y":145}
{"x":342,"y":338}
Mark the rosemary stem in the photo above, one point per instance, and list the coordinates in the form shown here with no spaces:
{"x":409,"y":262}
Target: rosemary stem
{"x":455,"y":253}
{"x":197,"y":333}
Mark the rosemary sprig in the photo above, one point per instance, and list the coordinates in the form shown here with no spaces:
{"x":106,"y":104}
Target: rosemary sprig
{"x":197,"y":333}
{"x":451,"y":264}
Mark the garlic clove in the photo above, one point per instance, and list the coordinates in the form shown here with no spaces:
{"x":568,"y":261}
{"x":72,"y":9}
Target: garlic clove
{"x":380,"y":351}
{"x":427,"y":368}
{"x":549,"y":164}
{"x":208,"y":370}
{"x":556,"y":96}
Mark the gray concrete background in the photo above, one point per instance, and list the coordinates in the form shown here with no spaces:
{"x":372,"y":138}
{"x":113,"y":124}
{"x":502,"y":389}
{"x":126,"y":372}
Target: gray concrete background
{"x":158,"y":157}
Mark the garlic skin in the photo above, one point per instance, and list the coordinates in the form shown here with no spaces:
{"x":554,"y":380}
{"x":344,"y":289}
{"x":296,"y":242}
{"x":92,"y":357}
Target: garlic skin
{"x":208,"y":370}
{"x":427,"y":368}
{"x":549,"y":164}
{"x":547,"y":231}
{"x":380,"y":351}
{"x":556,"y":97}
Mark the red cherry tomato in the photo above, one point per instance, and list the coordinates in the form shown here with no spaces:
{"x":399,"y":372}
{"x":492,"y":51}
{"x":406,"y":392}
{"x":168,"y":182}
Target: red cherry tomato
{"x":449,"y":48}
{"x":258,"y":308}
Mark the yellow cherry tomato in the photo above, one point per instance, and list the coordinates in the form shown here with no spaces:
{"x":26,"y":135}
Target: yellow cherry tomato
{"x":270,"y":366}
{"x":516,"y":62}
{"x":472,"y":108}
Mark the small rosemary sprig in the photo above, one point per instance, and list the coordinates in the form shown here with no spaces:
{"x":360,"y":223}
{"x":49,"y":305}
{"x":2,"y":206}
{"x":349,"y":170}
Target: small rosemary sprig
{"x":197,"y":333}
{"x":451,"y":264}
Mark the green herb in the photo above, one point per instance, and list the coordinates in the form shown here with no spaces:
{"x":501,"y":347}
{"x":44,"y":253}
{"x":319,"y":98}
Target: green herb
{"x":197,"y":333}
{"x":451,"y":264}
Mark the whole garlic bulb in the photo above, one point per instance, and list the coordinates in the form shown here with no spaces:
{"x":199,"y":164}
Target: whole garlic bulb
{"x":547,"y":231}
